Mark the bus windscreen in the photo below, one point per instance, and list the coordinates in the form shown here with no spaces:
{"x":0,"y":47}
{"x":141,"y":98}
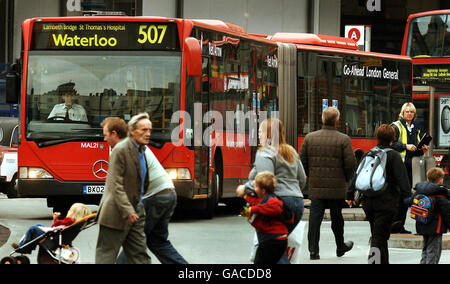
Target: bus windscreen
{"x":429,"y":36}
{"x":69,"y":95}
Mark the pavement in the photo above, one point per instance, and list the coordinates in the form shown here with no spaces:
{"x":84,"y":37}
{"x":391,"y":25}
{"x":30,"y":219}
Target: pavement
{"x":4,"y":235}
{"x":407,"y":241}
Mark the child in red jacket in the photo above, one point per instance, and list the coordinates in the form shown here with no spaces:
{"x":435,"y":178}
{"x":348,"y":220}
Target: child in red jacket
{"x":265,"y":215}
{"x":76,"y":212}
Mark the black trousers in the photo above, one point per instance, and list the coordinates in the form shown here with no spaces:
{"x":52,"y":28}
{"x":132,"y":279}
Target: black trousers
{"x":316,"y":213}
{"x":402,"y":210}
{"x":270,"y":251}
{"x":380,"y":213}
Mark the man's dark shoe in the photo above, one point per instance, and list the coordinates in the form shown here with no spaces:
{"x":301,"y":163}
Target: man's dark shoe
{"x":342,"y":250}
{"x":314,"y":256}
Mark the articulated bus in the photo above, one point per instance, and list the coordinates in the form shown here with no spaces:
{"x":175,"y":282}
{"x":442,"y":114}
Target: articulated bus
{"x":427,"y":42}
{"x":177,"y":70}
{"x":206,"y":84}
{"x":368,"y":88}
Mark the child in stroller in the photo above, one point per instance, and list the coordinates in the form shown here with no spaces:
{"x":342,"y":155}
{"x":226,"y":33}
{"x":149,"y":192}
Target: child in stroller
{"x":56,"y":240}
{"x":76,"y":212}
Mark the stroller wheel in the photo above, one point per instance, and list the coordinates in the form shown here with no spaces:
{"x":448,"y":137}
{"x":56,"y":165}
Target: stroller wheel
{"x":8,"y":260}
{"x":22,"y":259}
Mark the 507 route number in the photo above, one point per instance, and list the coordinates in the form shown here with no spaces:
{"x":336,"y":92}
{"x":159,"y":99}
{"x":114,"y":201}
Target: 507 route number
{"x":151,"y":34}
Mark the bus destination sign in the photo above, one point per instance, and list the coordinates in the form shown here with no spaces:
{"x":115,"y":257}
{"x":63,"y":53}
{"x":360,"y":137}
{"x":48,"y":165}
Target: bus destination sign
{"x":441,"y":71}
{"x":105,"y":36}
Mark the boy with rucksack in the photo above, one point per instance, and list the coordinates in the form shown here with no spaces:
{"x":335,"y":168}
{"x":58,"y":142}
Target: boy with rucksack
{"x":430,"y":207}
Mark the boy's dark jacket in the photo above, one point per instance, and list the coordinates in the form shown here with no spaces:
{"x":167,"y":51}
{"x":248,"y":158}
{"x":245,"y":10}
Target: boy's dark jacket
{"x":440,"y":221}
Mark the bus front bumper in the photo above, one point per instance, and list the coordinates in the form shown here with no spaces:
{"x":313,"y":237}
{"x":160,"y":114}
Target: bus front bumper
{"x":53,"y":187}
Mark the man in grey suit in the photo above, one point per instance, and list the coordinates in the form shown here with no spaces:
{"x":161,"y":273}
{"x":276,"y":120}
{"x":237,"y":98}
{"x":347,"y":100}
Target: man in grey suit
{"x":121,"y":213}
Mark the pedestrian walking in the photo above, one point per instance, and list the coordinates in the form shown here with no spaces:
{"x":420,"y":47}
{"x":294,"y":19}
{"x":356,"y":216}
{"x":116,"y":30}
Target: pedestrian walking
{"x":381,"y":209}
{"x":265,"y":214}
{"x":437,"y":221}
{"x":114,"y":130}
{"x":276,"y":156}
{"x":407,"y":137}
{"x":329,"y":163}
{"x":121,"y":215}
{"x":160,"y":201}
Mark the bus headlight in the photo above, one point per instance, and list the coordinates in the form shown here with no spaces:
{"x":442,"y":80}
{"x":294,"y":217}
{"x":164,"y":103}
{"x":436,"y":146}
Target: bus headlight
{"x":179,"y":173}
{"x":33,"y":173}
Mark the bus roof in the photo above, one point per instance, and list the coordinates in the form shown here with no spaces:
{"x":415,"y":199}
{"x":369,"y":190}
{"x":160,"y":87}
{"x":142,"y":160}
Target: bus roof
{"x":221,"y":25}
{"x":332,"y":44}
{"x":315,"y":39}
{"x":428,"y":13}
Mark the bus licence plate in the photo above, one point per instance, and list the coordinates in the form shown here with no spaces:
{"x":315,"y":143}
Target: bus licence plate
{"x":93,"y":189}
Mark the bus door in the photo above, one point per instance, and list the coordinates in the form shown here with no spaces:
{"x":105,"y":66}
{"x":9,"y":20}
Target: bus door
{"x":201,"y":149}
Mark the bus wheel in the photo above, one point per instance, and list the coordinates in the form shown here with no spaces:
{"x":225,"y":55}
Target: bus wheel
{"x":59,"y":205}
{"x":11,"y":188}
{"x":213,"y":200}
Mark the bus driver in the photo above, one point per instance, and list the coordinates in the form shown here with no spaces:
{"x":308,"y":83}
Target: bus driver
{"x":68,"y":111}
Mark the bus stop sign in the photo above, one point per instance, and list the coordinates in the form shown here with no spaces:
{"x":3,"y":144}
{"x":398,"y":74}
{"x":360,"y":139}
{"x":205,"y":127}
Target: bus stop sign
{"x":360,"y":34}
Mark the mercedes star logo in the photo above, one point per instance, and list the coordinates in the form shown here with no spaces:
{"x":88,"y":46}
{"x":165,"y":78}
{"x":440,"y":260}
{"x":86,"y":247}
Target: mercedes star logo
{"x":100,"y":169}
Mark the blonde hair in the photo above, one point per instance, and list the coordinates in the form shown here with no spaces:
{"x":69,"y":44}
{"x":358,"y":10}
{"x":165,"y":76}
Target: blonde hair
{"x":267,"y":181}
{"x":410,"y":106}
{"x":435,"y":174}
{"x":277,"y":139}
{"x":78,"y":211}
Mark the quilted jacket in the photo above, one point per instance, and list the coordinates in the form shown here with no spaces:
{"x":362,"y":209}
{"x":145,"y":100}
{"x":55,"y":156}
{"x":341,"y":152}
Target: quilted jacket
{"x":329,"y":163}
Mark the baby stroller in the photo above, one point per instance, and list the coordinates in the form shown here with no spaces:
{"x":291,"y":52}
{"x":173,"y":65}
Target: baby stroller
{"x":55,"y":246}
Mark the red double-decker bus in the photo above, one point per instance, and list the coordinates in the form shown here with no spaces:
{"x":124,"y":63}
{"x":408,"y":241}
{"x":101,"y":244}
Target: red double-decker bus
{"x":368,"y":88}
{"x":427,"y":42}
{"x":177,"y":70}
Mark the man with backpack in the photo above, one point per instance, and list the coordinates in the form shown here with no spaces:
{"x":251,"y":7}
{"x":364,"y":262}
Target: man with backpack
{"x":430,"y":208}
{"x":381,"y":206}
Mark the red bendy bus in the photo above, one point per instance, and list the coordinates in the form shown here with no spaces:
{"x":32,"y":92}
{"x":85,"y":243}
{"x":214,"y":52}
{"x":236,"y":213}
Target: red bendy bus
{"x":427,"y":42}
{"x":368,"y":88}
{"x":121,"y":66}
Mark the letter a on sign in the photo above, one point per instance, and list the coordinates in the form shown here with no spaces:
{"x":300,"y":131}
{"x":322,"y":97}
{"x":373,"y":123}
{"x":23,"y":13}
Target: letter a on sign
{"x":373,"y":5}
{"x":73,"y":5}
{"x":354,"y":34}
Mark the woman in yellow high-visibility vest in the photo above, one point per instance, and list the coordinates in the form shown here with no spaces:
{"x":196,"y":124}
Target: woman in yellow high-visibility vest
{"x":407,"y":137}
